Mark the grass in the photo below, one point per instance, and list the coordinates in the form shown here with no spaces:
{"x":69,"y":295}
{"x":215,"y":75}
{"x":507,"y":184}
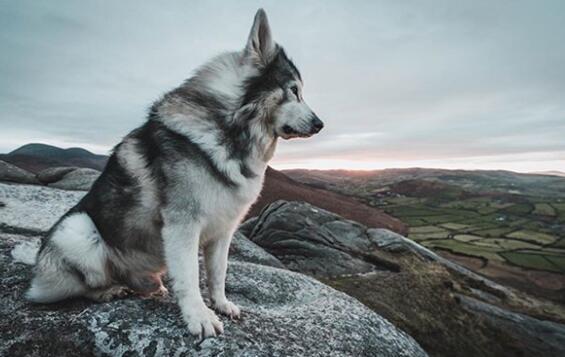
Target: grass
{"x":414,"y":222}
{"x":454,"y":226}
{"x":559,"y":244}
{"x":490,"y":227}
{"x":427,"y":232}
{"x":426,"y":229}
{"x":544,"y":209}
{"x":493,"y":232}
{"x":440,"y":219}
{"x":404,"y":200}
{"x":455,"y":246}
{"x":506,"y":244}
{"x":537,"y":237}
{"x":519,"y":209}
{"x":559,"y":206}
{"x":559,"y":261}
{"x":466,"y":237}
{"x":533,"y":261}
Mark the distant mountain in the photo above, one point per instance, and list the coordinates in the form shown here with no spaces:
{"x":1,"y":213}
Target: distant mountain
{"x":469,"y":180}
{"x":37,"y":157}
{"x":552,"y":173}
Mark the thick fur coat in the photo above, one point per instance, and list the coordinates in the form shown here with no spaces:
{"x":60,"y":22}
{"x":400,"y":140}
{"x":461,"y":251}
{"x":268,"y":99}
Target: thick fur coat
{"x":181,"y":182}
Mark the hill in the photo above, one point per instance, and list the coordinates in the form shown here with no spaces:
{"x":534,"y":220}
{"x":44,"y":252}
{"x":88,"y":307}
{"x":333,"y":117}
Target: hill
{"x":37,"y":157}
{"x":552,"y":172}
{"x":278,"y":186}
{"x":479,"y":181}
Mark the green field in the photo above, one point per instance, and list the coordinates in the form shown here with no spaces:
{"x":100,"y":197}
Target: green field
{"x":521,"y":231}
{"x":544,"y":209}
{"x":494,"y":215}
{"x":537,"y":237}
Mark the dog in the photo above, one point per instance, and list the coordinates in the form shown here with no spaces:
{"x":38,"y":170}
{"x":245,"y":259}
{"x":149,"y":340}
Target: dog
{"x":182,"y":181}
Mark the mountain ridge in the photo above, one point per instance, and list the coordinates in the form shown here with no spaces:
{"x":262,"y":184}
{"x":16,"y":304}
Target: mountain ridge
{"x":35,"y":157}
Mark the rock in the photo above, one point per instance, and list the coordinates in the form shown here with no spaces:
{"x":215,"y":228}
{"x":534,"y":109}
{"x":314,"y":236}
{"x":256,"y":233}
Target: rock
{"x":12,"y":173}
{"x":80,"y":179}
{"x":283,"y":312}
{"x":53,"y":174}
{"x":529,"y":330}
{"x":242,"y":249}
{"x":246,"y":227}
{"x":34,"y":208}
{"x":317,"y":242}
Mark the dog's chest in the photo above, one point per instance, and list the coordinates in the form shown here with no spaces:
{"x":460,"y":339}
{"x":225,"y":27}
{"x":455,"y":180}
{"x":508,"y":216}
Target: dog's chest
{"x":233,"y":202}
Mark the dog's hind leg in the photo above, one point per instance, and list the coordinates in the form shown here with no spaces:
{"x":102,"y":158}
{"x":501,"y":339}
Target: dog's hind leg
{"x":53,"y":280}
{"x":146,"y":284}
{"x":72,"y":263}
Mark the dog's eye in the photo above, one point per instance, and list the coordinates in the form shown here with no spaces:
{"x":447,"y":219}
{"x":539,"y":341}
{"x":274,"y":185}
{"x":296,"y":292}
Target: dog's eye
{"x":294,"y":90}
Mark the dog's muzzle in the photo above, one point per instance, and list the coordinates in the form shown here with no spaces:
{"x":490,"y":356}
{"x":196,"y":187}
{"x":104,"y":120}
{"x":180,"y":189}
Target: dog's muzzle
{"x":316,"y":125}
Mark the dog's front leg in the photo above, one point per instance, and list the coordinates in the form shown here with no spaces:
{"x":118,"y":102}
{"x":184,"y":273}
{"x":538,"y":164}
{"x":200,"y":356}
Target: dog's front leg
{"x":216,"y":259}
{"x":181,"y":242}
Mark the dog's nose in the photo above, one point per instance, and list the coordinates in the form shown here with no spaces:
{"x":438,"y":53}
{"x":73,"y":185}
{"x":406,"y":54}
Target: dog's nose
{"x":317,"y":124}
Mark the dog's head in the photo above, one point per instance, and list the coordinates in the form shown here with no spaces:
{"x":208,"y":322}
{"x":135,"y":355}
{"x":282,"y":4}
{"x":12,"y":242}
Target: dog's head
{"x":277,"y":89}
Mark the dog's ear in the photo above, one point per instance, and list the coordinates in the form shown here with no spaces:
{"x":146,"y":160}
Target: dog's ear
{"x":260,"y":45}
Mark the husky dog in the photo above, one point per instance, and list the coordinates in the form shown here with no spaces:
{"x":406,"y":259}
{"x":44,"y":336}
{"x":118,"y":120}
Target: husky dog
{"x":180,"y":182}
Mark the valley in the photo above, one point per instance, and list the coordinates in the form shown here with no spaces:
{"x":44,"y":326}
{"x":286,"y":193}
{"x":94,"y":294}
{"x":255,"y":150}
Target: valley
{"x":505,"y":225}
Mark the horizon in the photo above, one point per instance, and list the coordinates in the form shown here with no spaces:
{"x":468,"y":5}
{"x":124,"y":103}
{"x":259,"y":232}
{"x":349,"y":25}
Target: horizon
{"x":472,"y":85}
{"x":544,"y":172}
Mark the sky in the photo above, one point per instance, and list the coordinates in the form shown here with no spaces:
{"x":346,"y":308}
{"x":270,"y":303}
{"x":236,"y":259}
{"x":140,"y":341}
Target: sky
{"x":450,"y":84}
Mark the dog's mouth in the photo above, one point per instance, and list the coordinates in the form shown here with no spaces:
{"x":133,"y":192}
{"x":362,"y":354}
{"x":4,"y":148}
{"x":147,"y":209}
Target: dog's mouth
{"x":289,"y":132}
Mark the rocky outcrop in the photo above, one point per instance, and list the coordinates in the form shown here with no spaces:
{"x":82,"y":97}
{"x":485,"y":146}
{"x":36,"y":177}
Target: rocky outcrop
{"x":389,"y":272}
{"x":66,"y":178}
{"x":283,"y":313}
{"x":529,"y":330}
{"x":53,"y":174}
{"x":244,"y":250}
{"x":12,"y":173}
{"x":80,"y":179}
{"x":314,"y":241}
{"x":30,"y":208}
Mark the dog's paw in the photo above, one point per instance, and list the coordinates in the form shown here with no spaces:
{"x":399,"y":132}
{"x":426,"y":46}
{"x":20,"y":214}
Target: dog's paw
{"x":227,"y":308}
{"x":203,"y":322}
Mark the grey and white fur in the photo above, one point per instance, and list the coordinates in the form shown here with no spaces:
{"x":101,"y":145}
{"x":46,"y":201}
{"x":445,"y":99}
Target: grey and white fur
{"x":180,"y":182}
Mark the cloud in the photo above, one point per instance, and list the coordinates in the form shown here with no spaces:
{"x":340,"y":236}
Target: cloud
{"x":436,"y":80}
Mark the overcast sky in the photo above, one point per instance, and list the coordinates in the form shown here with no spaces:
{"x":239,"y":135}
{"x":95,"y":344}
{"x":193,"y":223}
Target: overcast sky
{"x":455,"y":84}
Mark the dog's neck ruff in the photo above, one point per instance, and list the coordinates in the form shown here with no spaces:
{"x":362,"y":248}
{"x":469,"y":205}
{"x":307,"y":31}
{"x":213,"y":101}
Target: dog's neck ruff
{"x":207,"y":110}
